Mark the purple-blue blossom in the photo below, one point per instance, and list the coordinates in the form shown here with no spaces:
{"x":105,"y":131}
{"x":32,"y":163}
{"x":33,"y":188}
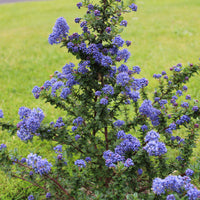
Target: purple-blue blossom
{"x":65,"y":92}
{"x":147,"y":109}
{"x":58,"y":148}
{"x":189,"y":172}
{"x":1,"y":113}
{"x":108,"y":89}
{"x":170,"y":197}
{"x":79,"y":5}
{"x":36,"y":92}
{"x":128,"y":43}
{"x":133,"y":7}
{"x":41,"y":166}
{"x":195,"y":108}
{"x":118,"y":41}
{"x":144,"y":127}
{"x":31,"y":120}
{"x":98,"y":93}
{"x":60,"y":31}
{"x":2,"y":146}
{"x":103,"y":101}
{"x":31,"y":197}
{"x":88,"y":159}
{"x":80,"y":163}
{"x":123,"y":23}
{"x":152,"y":136}
{"x":59,"y":123}
{"x":48,"y":195}
{"x":129,"y":143}
{"x":136,"y":69}
{"x":123,"y":54}
{"x":78,"y":121}
{"x":77,"y":137}
{"x":121,"y":135}
{"x":128,"y":163}
{"x":155,"y":148}
{"x":122,"y":79}
{"x":119,"y":123}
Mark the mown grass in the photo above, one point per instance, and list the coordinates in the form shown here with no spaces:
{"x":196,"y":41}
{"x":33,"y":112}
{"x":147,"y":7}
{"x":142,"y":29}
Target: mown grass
{"x":164,"y":33}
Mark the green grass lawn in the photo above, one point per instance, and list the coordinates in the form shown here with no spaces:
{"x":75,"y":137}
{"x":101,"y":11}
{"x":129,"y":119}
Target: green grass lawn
{"x":163,"y":33}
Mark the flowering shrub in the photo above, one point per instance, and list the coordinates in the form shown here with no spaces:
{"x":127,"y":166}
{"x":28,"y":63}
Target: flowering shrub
{"x":115,"y":142}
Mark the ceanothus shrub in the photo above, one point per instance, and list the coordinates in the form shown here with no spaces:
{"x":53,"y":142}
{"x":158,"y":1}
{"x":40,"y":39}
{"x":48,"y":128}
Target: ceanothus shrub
{"x":115,"y":142}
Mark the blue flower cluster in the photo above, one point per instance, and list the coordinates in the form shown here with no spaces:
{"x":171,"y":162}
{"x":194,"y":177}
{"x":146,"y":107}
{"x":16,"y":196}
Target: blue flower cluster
{"x":41,"y":166}
{"x":60,"y":31}
{"x":80,"y":163}
{"x":151,"y":112}
{"x":2,"y":146}
{"x":183,"y":119}
{"x":111,"y":158}
{"x":129,"y":143}
{"x":1,"y":113}
{"x":153,"y":146}
{"x":31,"y":120}
{"x":59,"y":123}
{"x":58,"y":148}
{"x":177,"y":184}
{"x":119,"y":123}
{"x":78,"y":121}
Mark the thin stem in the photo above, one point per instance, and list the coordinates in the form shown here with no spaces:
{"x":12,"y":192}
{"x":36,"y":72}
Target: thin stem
{"x":106,"y":137}
{"x":60,"y":186}
{"x":35,"y":184}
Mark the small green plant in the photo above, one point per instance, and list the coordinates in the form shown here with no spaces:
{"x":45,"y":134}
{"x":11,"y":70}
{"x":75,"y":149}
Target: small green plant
{"x":114,"y":142}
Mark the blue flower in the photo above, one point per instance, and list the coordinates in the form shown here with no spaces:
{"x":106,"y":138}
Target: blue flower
{"x":108,"y":89}
{"x":158,"y":187}
{"x":123,"y":23}
{"x":65,"y":92}
{"x":128,"y":43}
{"x":79,"y":5}
{"x":77,"y":20}
{"x":133,"y":7}
{"x":60,"y":31}
{"x":41,"y":166}
{"x":48,"y":195}
{"x":36,"y":92}
{"x":144,"y":127}
{"x":152,"y":136}
{"x":104,"y":101}
{"x":118,"y":41}
{"x":189,"y":172}
{"x":128,"y":163}
{"x":58,"y":148}
{"x":80,"y":163}
{"x":123,"y":55}
{"x":1,"y":113}
{"x":119,"y":123}
{"x":31,"y":120}
{"x":170,"y":197}
{"x":136,"y":69}
{"x":98,"y":93}
{"x":155,"y":148}
{"x":2,"y":146}
{"x":140,"y":171}
{"x":121,"y":134}
{"x":106,"y":61}
{"x":59,"y":123}
{"x":78,"y":121}
{"x":88,"y":159}
{"x":31,"y":197}
{"x":195,"y":108}
{"x":77,"y":137}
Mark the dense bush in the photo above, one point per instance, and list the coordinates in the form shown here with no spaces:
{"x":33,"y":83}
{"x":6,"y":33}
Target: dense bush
{"x":114,"y":142}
